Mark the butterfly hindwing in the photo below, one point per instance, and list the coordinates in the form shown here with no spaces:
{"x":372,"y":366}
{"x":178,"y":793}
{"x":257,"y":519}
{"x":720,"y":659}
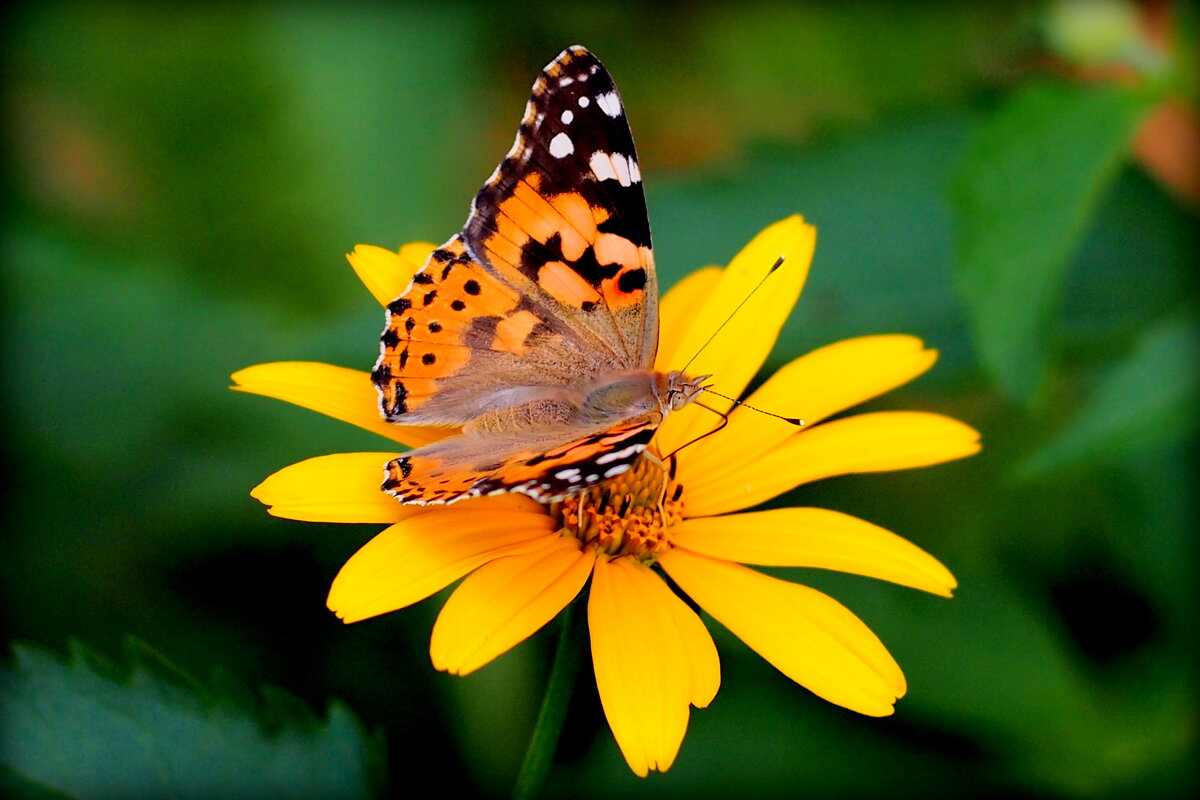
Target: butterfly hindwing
{"x":547,"y":468}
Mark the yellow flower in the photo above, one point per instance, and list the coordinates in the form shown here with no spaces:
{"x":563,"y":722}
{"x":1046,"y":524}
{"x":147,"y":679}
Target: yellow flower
{"x":524,"y":562}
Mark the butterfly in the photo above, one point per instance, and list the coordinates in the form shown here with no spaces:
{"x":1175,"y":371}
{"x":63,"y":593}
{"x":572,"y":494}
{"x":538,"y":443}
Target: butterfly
{"x":535,"y":327}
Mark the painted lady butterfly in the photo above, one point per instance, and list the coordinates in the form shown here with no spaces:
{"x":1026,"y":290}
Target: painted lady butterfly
{"x":535,"y":327}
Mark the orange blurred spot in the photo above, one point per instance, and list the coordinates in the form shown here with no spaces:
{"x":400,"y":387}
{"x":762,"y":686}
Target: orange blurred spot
{"x":1168,"y":145}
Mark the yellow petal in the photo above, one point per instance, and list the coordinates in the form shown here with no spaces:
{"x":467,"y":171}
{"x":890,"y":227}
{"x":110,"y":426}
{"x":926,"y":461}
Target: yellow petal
{"x":676,"y":309}
{"x":506,"y":601}
{"x":338,"y":392}
{"x":339,"y":488}
{"x":806,"y":635}
{"x":704,"y":665}
{"x":735,"y":354}
{"x":652,"y":658}
{"x":811,"y":388}
{"x":814,"y":537}
{"x":386,"y":274}
{"x":418,"y":556}
{"x":878,"y":442}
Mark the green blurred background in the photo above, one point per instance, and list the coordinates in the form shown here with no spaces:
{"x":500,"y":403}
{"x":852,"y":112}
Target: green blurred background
{"x":1003,"y":180}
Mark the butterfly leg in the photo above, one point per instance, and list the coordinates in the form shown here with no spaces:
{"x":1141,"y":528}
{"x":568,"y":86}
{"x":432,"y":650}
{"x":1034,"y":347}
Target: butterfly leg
{"x":668,"y":473}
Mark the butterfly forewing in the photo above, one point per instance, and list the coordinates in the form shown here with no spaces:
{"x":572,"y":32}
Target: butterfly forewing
{"x":565,"y":214}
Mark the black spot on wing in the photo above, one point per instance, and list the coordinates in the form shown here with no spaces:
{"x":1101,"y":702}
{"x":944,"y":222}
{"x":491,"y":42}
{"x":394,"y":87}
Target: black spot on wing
{"x":535,"y":254}
{"x":632,"y":281}
{"x":592,"y":270}
{"x":630,"y":218}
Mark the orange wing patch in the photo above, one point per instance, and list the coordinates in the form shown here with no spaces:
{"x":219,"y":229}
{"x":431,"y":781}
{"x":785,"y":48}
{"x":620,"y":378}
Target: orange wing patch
{"x":429,"y":328}
{"x":513,"y":332}
{"x":555,"y":240}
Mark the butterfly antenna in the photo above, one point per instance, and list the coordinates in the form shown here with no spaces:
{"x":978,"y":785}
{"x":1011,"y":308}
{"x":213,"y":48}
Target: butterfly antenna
{"x":778,"y":263}
{"x":799,"y":423}
{"x":790,"y":420}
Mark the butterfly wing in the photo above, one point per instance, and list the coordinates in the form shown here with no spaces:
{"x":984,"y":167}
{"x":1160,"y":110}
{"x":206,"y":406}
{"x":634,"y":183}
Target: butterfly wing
{"x":563,"y":218}
{"x":551,"y":282}
{"x":460,"y":343}
{"x":548,"y":467}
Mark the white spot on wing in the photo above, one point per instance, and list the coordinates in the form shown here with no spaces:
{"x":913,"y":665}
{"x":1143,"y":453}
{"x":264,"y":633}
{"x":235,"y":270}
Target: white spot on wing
{"x":622,"y":167}
{"x":584,"y":102}
{"x":633,"y":449}
{"x":610,"y":104}
{"x":565,"y":80}
{"x":614,"y":167}
{"x":561,"y":146}
{"x":566,"y":475}
{"x":602,"y":166}
{"x":567,"y":116}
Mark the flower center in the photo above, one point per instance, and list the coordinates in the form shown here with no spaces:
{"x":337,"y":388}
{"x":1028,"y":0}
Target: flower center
{"x":626,"y":515}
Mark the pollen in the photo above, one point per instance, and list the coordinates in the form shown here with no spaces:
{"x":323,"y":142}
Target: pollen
{"x":629,"y":515}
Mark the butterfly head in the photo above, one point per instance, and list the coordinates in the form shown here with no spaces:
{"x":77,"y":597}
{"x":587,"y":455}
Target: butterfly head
{"x":679,"y":390}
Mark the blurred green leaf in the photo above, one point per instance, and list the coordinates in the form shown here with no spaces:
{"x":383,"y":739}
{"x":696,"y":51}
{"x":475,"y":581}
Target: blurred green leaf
{"x":1147,"y":400}
{"x":997,"y":662}
{"x":883,"y":260}
{"x":1023,"y":196}
{"x":85,"y":729}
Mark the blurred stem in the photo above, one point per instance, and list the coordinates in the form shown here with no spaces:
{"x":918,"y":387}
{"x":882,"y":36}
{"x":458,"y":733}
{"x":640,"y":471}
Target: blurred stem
{"x":553,"y":714}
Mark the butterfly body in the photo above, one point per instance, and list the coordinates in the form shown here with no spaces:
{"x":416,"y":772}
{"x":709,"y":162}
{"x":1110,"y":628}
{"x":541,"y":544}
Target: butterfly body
{"x":535,"y":328}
